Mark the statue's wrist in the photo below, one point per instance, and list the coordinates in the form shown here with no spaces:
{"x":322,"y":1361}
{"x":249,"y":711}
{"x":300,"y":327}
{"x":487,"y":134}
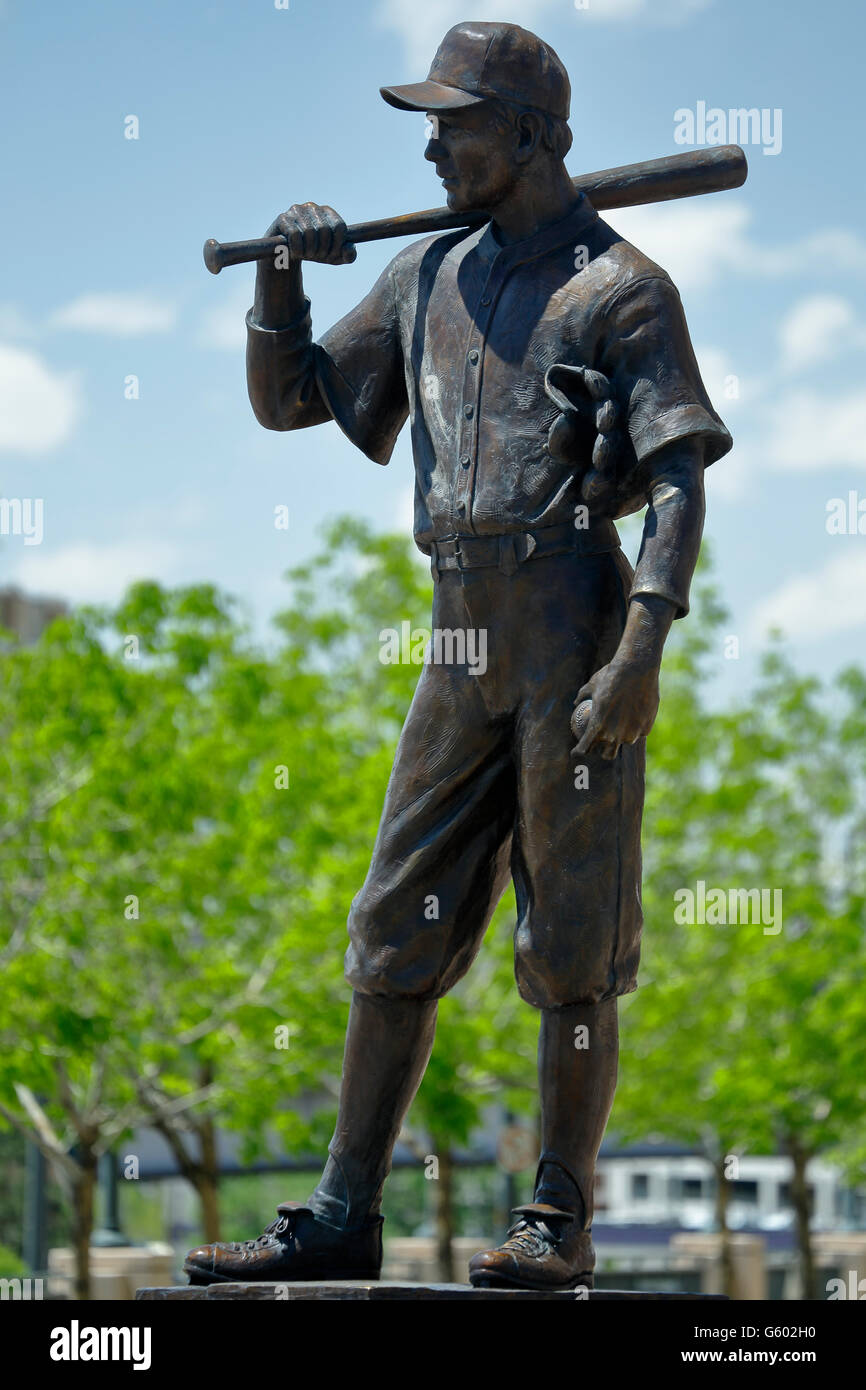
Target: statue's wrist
{"x":639,"y":663}
{"x":647,"y":626}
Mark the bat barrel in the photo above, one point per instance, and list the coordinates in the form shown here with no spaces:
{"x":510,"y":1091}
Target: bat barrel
{"x":659,"y":180}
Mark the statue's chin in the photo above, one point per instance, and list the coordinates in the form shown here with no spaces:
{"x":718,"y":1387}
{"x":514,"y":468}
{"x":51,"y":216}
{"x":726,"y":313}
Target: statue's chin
{"x":459,"y":203}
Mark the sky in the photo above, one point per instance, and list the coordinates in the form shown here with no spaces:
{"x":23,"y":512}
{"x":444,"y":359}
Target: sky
{"x":123,"y":403}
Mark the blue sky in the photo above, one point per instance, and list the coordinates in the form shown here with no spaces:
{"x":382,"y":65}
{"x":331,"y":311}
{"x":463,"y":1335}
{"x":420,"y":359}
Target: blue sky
{"x":244,"y":108}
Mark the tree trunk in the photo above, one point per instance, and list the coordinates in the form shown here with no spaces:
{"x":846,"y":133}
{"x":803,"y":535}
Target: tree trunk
{"x":726,"y":1254}
{"x":83,"y":1190}
{"x":800,"y":1201}
{"x":445,"y":1215}
{"x":208,"y":1192}
{"x":208,"y":1183}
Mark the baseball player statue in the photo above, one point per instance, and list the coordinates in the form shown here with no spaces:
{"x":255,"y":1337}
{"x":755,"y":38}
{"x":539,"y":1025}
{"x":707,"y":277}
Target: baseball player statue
{"x":547,"y":373}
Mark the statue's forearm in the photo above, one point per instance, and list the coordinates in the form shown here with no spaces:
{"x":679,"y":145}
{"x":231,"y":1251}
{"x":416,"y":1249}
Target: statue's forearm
{"x":668,"y":554}
{"x":281,"y":379}
{"x":673,"y":526}
{"x":279,"y":300}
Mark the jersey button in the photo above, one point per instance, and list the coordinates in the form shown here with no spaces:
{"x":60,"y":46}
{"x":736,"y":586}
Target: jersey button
{"x":464,"y":460}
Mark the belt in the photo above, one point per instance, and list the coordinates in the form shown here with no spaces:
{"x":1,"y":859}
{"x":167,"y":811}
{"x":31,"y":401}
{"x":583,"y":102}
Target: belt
{"x":508,"y":552}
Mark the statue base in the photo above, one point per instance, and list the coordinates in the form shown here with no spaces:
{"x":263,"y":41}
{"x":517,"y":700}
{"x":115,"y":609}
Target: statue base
{"x":387,"y":1291}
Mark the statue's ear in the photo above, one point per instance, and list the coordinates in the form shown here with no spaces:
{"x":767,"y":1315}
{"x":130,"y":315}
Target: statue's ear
{"x":566,"y":386}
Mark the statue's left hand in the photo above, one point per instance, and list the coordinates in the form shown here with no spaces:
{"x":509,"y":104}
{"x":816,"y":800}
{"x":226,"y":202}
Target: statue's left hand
{"x":625,"y":702}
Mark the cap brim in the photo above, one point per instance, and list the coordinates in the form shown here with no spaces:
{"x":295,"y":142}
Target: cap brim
{"x":428,"y":96}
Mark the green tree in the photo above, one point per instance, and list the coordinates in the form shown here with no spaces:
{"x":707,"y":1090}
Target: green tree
{"x":103,"y":822}
{"x":743,"y":1036}
{"x":187,"y":819}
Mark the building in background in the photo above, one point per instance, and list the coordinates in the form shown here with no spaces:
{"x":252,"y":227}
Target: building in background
{"x":27,"y":616}
{"x":666,"y":1184}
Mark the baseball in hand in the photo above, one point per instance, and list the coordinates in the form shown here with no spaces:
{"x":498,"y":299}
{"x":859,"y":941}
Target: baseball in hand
{"x":580,"y":719}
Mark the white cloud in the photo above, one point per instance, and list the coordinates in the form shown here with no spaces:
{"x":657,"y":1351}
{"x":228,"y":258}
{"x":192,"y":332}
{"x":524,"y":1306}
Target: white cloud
{"x":812,"y":606}
{"x":702,"y":241}
{"x":817,"y":329}
{"x":118,"y":315}
{"x":730,"y":477}
{"x":422,"y":27}
{"x":809,"y":429}
{"x":834,"y":247}
{"x":223,"y":326}
{"x":696,"y":243}
{"x":792,"y":431}
{"x":726,"y":389}
{"x":93,"y":573}
{"x":38,"y":406}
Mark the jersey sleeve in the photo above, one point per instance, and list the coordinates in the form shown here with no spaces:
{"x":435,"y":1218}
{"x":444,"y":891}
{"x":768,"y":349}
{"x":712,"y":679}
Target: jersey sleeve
{"x":361,"y":374}
{"x":354,"y":374}
{"x":645,"y":351}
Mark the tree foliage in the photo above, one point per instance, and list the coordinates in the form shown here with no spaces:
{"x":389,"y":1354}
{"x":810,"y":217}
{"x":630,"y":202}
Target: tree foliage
{"x":186,"y":816}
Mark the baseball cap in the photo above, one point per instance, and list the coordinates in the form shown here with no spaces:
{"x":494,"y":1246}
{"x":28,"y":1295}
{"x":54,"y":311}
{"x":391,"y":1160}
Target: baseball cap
{"x":477,"y":61}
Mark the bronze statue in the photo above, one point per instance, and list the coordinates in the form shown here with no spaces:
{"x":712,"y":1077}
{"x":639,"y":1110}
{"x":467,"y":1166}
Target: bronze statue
{"x":546,"y":368}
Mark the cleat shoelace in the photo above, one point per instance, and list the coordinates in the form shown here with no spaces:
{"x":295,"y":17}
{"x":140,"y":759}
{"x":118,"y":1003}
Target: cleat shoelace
{"x":276,"y":1228}
{"x":529,"y":1238}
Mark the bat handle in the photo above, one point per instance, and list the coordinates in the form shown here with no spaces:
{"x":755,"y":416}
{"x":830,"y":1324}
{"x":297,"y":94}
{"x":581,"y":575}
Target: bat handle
{"x":221,"y":253}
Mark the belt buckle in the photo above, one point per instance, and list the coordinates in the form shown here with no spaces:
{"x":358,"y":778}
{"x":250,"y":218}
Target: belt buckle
{"x":438,"y":563}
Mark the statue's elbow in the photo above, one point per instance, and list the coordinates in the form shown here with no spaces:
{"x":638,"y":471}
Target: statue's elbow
{"x":272,"y":420}
{"x":269,"y":411}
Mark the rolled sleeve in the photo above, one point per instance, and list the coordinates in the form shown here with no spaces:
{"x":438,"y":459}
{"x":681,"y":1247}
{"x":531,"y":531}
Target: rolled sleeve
{"x":354,"y":375}
{"x":281,"y":377}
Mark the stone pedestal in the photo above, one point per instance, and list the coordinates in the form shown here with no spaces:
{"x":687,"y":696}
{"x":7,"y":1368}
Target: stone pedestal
{"x":387,"y":1291}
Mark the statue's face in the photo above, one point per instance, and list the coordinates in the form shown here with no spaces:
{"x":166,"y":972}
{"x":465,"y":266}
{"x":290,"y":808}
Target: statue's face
{"x":475,"y":161}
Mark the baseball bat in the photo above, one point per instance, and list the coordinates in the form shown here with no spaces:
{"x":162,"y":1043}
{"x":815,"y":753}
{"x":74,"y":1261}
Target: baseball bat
{"x":652,"y":181}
